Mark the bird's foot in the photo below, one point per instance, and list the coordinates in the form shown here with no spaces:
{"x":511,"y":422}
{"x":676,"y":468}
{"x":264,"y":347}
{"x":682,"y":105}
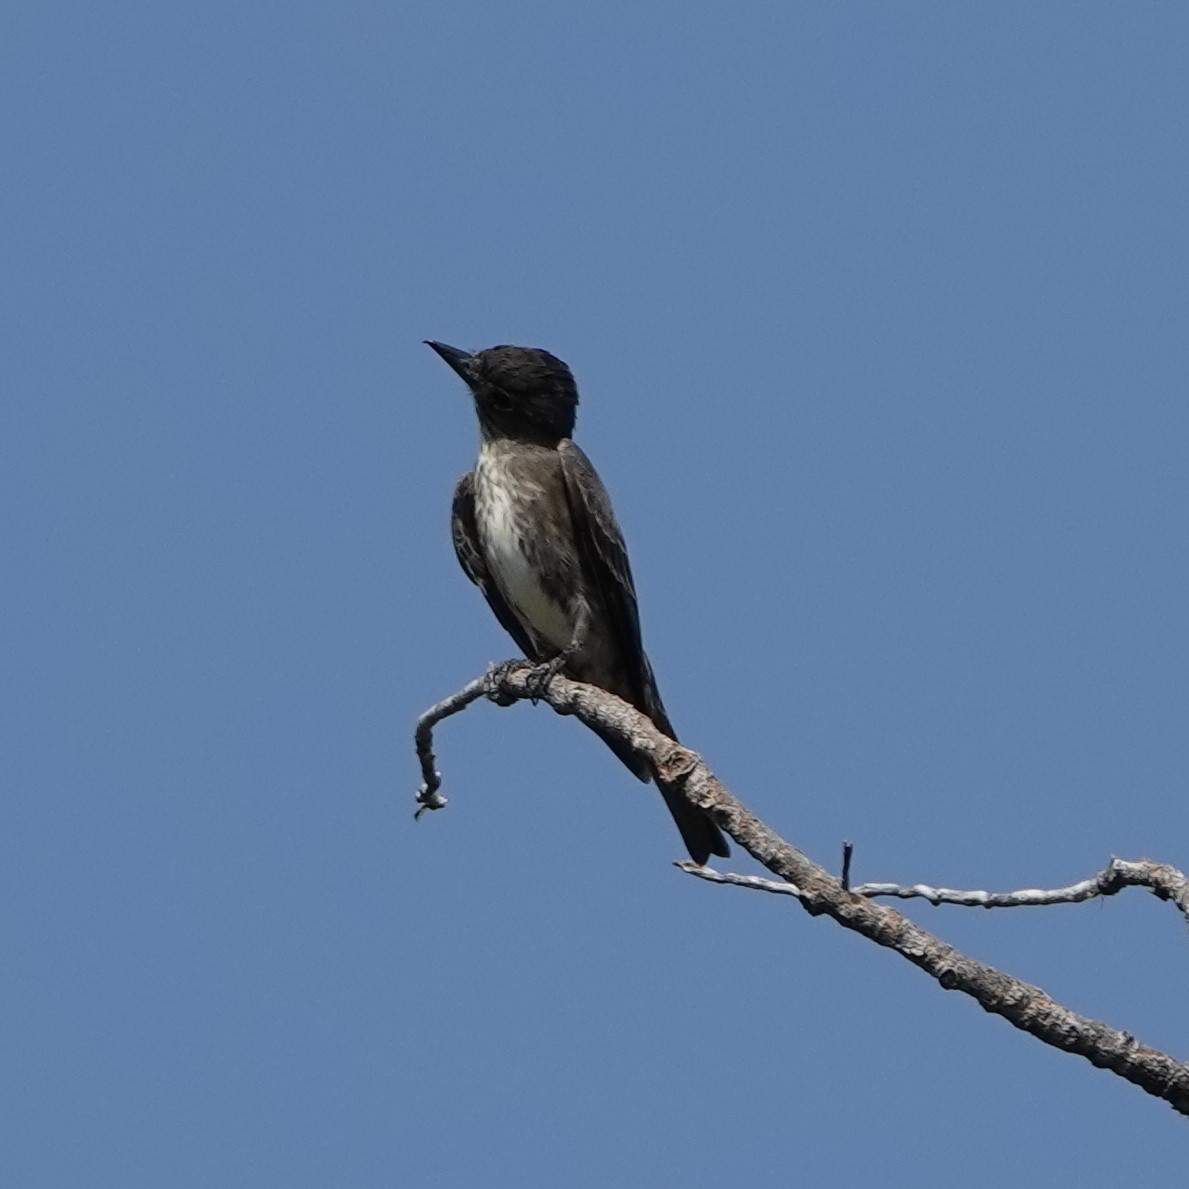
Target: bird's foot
{"x":493,"y":679}
{"x":540,"y":676}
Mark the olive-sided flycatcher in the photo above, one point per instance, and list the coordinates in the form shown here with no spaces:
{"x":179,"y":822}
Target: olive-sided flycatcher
{"x":534,"y":531}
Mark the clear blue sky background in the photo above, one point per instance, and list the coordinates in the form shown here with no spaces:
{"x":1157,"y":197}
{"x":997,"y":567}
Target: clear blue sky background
{"x":879,"y":315}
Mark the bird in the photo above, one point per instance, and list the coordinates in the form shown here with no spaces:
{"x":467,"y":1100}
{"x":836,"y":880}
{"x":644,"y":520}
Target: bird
{"x":534,"y":530}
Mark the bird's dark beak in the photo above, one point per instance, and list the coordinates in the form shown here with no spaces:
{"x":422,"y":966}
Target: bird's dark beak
{"x":460,"y":361}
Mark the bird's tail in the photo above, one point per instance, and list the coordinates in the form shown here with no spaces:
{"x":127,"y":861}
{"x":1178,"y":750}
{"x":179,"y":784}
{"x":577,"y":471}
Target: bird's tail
{"x":701,"y":836}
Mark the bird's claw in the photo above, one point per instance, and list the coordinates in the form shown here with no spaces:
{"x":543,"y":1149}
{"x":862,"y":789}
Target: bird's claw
{"x":540,"y":676}
{"x":535,"y":682}
{"x":494,"y":678}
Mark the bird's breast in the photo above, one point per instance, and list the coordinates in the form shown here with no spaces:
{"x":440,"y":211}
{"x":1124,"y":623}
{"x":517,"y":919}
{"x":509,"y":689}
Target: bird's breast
{"x":524,"y":527}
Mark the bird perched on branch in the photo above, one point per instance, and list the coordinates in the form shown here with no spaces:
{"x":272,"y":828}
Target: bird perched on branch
{"x":534,"y":530}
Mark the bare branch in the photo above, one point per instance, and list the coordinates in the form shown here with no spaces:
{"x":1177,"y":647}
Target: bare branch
{"x":427,"y":796}
{"x":683,"y":771}
{"x":1163,"y":881}
{"x":740,"y":881}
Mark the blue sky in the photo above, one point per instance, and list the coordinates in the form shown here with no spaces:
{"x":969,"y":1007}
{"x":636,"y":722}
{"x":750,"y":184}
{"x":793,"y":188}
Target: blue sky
{"x":879,"y":317}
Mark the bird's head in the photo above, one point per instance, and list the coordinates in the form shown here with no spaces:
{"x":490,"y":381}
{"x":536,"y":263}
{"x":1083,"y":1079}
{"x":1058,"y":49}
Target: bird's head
{"x":520,"y":392}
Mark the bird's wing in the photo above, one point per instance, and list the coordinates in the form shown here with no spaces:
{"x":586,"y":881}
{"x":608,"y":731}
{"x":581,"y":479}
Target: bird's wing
{"x":605,"y":559}
{"x":470,"y":556}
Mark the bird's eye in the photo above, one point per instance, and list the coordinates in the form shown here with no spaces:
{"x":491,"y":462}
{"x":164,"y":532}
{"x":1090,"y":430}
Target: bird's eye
{"x":500,"y":400}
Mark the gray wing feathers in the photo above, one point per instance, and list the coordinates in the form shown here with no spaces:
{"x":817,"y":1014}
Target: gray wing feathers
{"x":606,"y":560}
